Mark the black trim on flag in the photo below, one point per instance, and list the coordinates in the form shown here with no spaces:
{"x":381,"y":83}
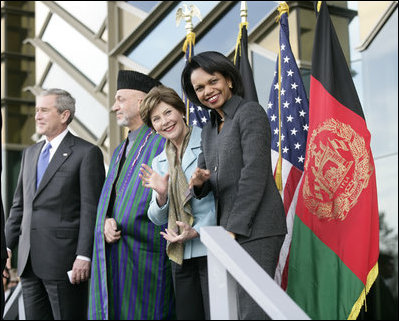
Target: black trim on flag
{"x":329,"y":65}
{"x":242,"y":63}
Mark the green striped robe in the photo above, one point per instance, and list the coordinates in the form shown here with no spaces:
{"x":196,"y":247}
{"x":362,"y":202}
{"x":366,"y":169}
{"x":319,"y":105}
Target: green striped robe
{"x":131,"y":279}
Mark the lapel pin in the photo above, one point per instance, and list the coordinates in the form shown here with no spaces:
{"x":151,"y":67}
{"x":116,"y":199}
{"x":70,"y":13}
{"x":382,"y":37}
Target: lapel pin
{"x":65,"y":154}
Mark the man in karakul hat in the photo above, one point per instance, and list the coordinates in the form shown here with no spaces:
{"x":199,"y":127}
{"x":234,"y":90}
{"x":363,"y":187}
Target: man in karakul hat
{"x":131,"y":276}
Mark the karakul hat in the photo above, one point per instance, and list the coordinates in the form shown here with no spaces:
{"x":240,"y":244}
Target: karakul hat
{"x":129,"y":79}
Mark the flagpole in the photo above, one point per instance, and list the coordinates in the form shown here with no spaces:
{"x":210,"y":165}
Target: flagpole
{"x":244,"y":15}
{"x":282,"y":8}
{"x":187,"y":13}
{"x":244,"y":11}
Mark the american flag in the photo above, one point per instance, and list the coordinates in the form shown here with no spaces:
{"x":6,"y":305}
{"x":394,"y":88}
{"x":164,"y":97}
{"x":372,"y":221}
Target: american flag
{"x":195,"y":115}
{"x":294,"y":108}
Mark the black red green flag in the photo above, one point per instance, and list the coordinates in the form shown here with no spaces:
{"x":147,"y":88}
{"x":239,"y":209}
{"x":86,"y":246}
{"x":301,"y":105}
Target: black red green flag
{"x":335,"y":240}
{"x":241,"y":61}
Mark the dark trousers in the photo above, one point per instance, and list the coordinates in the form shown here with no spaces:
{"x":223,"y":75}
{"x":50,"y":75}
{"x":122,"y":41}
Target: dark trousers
{"x":265,"y":252}
{"x":3,"y":265}
{"x":53,"y":300}
{"x":190,"y":282}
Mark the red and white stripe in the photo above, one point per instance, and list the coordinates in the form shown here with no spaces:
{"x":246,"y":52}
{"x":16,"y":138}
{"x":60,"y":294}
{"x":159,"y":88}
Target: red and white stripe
{"x":291,"y":177}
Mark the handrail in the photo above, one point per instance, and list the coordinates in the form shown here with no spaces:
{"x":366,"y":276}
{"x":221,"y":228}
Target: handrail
{"x":15,"y":305}
{"x":229,"y":263}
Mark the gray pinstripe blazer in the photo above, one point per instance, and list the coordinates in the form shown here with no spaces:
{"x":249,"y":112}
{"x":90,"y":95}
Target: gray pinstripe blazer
{"x":247,"y":200}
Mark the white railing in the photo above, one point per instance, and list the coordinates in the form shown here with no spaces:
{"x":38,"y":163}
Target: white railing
{"x":14,"y":306}
{"x":229,"y":263}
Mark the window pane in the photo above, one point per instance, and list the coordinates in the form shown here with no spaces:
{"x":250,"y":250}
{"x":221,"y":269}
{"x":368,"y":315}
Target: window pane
{"x":172,"y":77}
{"x":386,"y":170}
{"x":79,"y":9}
{"x":41,"y":12}
{"x":223,"y":36}
{"x":257,"y":11}
{"x":88,"y":111}
{"x":165,"y":36}
{"x":380,"y":79}
{"x":263,"y":70}
{"x":76,"y":49}
{"x":380,"y":92}
{"x":146,"y":6}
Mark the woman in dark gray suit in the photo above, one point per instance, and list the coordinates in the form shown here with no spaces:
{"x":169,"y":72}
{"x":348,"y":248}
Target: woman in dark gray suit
{"x":236,"y":165}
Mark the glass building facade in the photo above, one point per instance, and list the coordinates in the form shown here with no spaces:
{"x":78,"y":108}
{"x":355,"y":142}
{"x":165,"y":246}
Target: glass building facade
{"x":81,"y":45}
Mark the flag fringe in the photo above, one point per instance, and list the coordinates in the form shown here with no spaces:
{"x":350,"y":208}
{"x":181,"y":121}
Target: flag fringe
{"x":187,"y":110}
{"x":279,"y":175}
{"x":371,"y":277}
{"x":282,"y":8}
{"x":238,"y":42}
{"x":190,"y":40}
{"x":319,"y":5}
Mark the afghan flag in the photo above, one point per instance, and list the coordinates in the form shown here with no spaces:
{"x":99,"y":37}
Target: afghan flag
{"x":241,"y":61}
{"x":335,"y":241}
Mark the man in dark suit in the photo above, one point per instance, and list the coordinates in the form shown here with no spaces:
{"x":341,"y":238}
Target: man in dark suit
{"x":53,"y":213}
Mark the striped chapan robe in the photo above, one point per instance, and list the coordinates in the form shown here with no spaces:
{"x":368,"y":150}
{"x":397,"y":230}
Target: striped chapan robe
{"x":131,"y":279}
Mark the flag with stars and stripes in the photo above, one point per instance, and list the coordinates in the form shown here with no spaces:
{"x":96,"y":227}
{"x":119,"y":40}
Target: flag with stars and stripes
{"x":288,"y":112}
{"x":195,"y":115}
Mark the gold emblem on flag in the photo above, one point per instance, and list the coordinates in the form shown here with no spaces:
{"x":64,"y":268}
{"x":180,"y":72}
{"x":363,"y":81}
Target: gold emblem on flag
{"x":337,"y":170}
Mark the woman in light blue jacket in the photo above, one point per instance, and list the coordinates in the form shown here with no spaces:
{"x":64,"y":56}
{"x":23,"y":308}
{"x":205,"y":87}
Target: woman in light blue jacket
{"x":163,"y":110}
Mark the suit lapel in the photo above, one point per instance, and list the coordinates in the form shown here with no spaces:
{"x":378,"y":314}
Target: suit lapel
{"x":190,"y":156}
{"x":34,"y":155}
{"x":61,"y":155}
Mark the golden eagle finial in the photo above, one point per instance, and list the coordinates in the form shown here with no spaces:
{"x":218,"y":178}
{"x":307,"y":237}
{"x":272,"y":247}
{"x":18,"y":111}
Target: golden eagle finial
{"x":187,"y":13}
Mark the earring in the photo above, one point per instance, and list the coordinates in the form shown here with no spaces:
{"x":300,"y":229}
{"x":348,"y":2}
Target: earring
{"x":230,"y":86}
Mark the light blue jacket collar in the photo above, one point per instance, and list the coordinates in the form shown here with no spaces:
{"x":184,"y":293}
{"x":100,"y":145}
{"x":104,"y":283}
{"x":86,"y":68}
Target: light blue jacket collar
{"x":189,"y":156}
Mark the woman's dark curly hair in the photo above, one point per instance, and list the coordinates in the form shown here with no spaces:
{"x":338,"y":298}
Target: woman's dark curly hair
{"x":211,"y":62}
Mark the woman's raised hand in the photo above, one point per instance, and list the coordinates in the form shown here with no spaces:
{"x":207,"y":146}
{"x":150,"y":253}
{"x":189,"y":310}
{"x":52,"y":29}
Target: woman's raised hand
{"x":151,"y":179}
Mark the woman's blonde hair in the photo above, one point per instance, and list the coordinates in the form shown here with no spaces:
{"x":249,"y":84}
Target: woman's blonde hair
{"x":154,"y":97}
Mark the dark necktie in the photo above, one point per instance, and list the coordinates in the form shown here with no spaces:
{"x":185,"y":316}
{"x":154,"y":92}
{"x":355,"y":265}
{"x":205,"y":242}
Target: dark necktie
{"x":42,"y":163}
